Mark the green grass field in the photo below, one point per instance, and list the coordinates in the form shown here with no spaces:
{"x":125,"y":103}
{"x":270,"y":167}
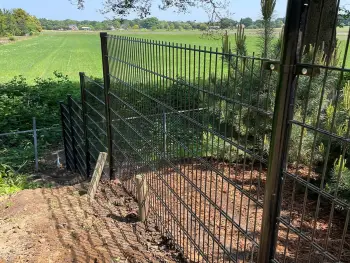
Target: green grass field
{"x":72,"y":52}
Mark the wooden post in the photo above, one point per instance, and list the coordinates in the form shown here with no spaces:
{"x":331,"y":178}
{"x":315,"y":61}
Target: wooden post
{"x":84,"y":117}
{"x":142,"y":196}
{"x":97,"y":175}
{"x":107,"y":82}
{"x":35,"y":139}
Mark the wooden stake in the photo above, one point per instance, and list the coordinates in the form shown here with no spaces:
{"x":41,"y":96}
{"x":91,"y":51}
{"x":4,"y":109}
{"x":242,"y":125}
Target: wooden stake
{"x":97,"y":175}
{"x":142,"y":196}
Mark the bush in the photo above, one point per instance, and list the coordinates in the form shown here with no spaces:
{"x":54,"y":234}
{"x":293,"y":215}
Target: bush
{"x":11,"y":182}
{"x":19,"y":103}
{"x":340,"y":178}
{"x":12,"y":38}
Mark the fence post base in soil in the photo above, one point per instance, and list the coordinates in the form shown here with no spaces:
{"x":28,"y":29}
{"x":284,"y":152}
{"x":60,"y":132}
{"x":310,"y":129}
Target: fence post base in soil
{"x":97,"y":175}
{"x":142,"y":199}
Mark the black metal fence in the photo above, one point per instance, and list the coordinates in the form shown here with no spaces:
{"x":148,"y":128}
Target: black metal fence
{"x":244,"y":157}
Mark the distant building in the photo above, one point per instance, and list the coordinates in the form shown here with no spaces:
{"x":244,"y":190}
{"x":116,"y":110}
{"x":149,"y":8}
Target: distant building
{"x":86,"y":28}
{"x":73,"y":27}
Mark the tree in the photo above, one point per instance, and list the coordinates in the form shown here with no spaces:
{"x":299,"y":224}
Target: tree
{"x":18,"y":22}
{"x":325,"y":10}
{"x":247,"y":21}
{"x":149,"y":22}
{"x":279,"y":22}
{"x":116,"y":23}
{"x":187,"y":26}
{"x":171,"y":26}
{"x":267,"y":9}
{"x":320,"y":17}
{"x":203,"y":26}
{"x":135,"y":27}
{"x":227,"y":23}
{"x":143,"y":8}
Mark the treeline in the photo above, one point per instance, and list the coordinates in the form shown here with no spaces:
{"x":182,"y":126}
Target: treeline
{"x":17,"y":22}
{"x":152,"y":23}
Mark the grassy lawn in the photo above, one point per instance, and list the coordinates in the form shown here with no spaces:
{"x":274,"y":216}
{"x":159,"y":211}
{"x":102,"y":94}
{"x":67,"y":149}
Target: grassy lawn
{"x":71,"y":52}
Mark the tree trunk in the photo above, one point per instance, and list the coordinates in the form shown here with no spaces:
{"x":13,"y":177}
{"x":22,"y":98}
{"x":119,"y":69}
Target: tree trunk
{"x":321,"y":20}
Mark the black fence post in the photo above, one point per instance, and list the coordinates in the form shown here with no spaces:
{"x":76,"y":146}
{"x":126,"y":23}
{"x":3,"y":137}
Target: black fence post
{"x":107,"y":82}
{"x":280,"y":131}
{"x":69,"y":99}
{"x":64,"y":136}
{"x":84,"y":117}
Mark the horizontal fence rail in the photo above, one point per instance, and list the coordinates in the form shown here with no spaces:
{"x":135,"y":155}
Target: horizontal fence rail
{"x":21,"y":149}
{"x":245,"y":158}
{"x":180,"y":117}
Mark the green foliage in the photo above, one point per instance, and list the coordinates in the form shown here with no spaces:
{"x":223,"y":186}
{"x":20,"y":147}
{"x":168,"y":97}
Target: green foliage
{"x":203,"y":27}
{"x":241,"y":45}
{"x":11,"y":182}
{"x":18,"y":22}
{"x":247,"y":21}
{"x":20,"y":100}
{"x":267,"y":9}
{"x":149,"y":23}
{"x":12,"y":38}
{"x":227,"y":23}
{"x":19,"y":103}
{"x":340,"y":180}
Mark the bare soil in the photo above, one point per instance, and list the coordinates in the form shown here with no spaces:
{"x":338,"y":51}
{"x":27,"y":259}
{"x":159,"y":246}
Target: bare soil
{"x":59,"y":225}
{"x":234,"y":219}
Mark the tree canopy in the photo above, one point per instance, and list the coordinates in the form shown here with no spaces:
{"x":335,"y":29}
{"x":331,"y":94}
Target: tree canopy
{"x":143,"y":7}
{"x":18,"y":22}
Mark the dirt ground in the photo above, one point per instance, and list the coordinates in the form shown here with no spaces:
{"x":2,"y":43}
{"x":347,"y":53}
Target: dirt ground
{"x":58,"y":225}
{"x":213,"y":213}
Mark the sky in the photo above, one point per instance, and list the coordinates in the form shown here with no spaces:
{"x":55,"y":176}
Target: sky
{"x":64,"y":9}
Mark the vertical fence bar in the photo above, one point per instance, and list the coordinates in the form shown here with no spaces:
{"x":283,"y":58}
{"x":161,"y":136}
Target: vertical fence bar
{"x":84,"y":117}
{"x":69,"y":99}
{"x":280,"y":131}
{"x":64,"y":136}
{"x":35,"y":139}
{"x":164,"y":133}
{"x":107,"y":82}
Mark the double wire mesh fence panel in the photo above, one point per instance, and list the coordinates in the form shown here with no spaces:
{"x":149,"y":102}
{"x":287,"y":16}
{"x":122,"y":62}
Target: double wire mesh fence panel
{"x":314,"y":216}
{"x":199,"y":126}
{"x":95,"y":118}
{"x":196,"y":123}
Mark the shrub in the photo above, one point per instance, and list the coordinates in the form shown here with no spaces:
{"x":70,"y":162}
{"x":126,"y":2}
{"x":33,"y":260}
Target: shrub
{"x":340,"y":178}
{"x":11,"y":182}
{"x":19,"y":103}
{"x":12,"y":38}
